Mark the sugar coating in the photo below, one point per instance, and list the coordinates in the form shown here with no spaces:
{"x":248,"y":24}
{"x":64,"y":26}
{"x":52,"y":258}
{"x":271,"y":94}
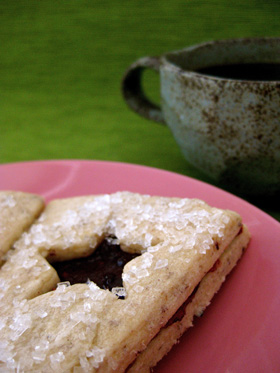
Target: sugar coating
{"x":7,"y":201}
{"x":53,"y":325}
{"x":17,"y":212}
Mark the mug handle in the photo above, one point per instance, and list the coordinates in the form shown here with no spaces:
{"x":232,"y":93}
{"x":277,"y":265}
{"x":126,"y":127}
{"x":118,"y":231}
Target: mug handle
{"x":133,"y":92}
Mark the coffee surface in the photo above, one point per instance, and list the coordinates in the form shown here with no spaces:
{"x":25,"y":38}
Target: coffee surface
{"x":104,"y":267}
{"x":250,"y":71}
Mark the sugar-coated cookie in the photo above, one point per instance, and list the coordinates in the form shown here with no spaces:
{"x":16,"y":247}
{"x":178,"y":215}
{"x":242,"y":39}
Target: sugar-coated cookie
{"x":182,"y":250}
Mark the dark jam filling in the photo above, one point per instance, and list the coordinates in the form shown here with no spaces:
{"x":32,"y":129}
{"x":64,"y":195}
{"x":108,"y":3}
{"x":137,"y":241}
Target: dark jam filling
{"x":181,"y":311}
{"x":104,"y":267}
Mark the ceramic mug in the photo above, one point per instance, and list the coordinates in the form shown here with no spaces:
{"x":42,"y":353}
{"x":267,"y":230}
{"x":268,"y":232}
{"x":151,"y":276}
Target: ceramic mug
{"x":221,"y":100}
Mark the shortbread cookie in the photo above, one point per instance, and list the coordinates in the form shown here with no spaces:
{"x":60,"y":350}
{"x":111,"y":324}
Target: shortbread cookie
{"x":182,"y":250}
{"x":17,"y":212}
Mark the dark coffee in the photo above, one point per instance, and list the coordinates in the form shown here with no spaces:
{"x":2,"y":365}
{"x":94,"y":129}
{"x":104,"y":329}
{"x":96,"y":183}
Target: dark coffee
{"x":246,"y":71}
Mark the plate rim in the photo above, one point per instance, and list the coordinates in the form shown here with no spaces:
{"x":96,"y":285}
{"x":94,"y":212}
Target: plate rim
{"x":227,"y":195}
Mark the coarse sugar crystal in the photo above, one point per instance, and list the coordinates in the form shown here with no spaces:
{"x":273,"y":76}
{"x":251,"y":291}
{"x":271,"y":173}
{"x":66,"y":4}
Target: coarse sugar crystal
{"x":3,"y":323}
{"x":138,"y":288}
{"x":40,"y":351}
{"x":148,"y":239}
{"x":8,"y":201}
{"x":37,"y":270}
{"x":56,"y":359}
{"x":94,"y":292}
{"x":177,"y":204}
{"x":3,"y":284}
{"x":113,"y":240}
{"x":18,"y":289}
{"x":61,"y":298}
{"x":96,"y":356}
{"x":29,"y":262}
{"x":6,"y":351}
{"x":21,"y":305}
{"x":129,"y":309}
{"x":21,"y":322}
{"x":71,"y":218}
{"x":180,"y":225}
{"x":173,"y":249}
{"x":147,"y":259}
{"x":86,"y":366}
{"x":130,"y":278}
{"x":41,"y":313}
{"x":153,"y":249}
{"x":139,"y":272}
{"x":161,"y":263}
{"x":87,"y":306}
{"x":112,"y":363}
{"x":39,"y":234}
{"x":82,"y":336}
{"x":61,"y":286}
{"x":119,"y":292}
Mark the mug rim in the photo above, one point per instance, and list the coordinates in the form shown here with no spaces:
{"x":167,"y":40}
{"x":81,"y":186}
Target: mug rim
{"x":165,"y":59}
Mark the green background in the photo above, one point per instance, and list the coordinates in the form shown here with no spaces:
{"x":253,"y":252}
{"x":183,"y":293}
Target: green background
{"x":61,"y":65}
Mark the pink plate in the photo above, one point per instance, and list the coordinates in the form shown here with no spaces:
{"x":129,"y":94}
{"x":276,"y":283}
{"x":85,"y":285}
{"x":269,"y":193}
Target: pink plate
{"x":240,"y":331}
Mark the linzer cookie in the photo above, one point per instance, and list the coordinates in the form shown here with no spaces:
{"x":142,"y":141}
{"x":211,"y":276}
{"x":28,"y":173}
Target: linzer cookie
{"x":109,"y":283}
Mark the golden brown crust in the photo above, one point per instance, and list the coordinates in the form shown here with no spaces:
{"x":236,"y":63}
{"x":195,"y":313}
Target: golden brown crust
{"x":82,"y":327}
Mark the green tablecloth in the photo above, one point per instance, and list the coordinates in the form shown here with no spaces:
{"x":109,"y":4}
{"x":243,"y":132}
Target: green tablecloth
{"x":62,"y":61}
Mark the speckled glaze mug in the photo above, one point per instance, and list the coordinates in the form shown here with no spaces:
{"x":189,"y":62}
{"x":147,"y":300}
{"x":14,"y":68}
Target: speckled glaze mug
{"x":221,"y":100}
